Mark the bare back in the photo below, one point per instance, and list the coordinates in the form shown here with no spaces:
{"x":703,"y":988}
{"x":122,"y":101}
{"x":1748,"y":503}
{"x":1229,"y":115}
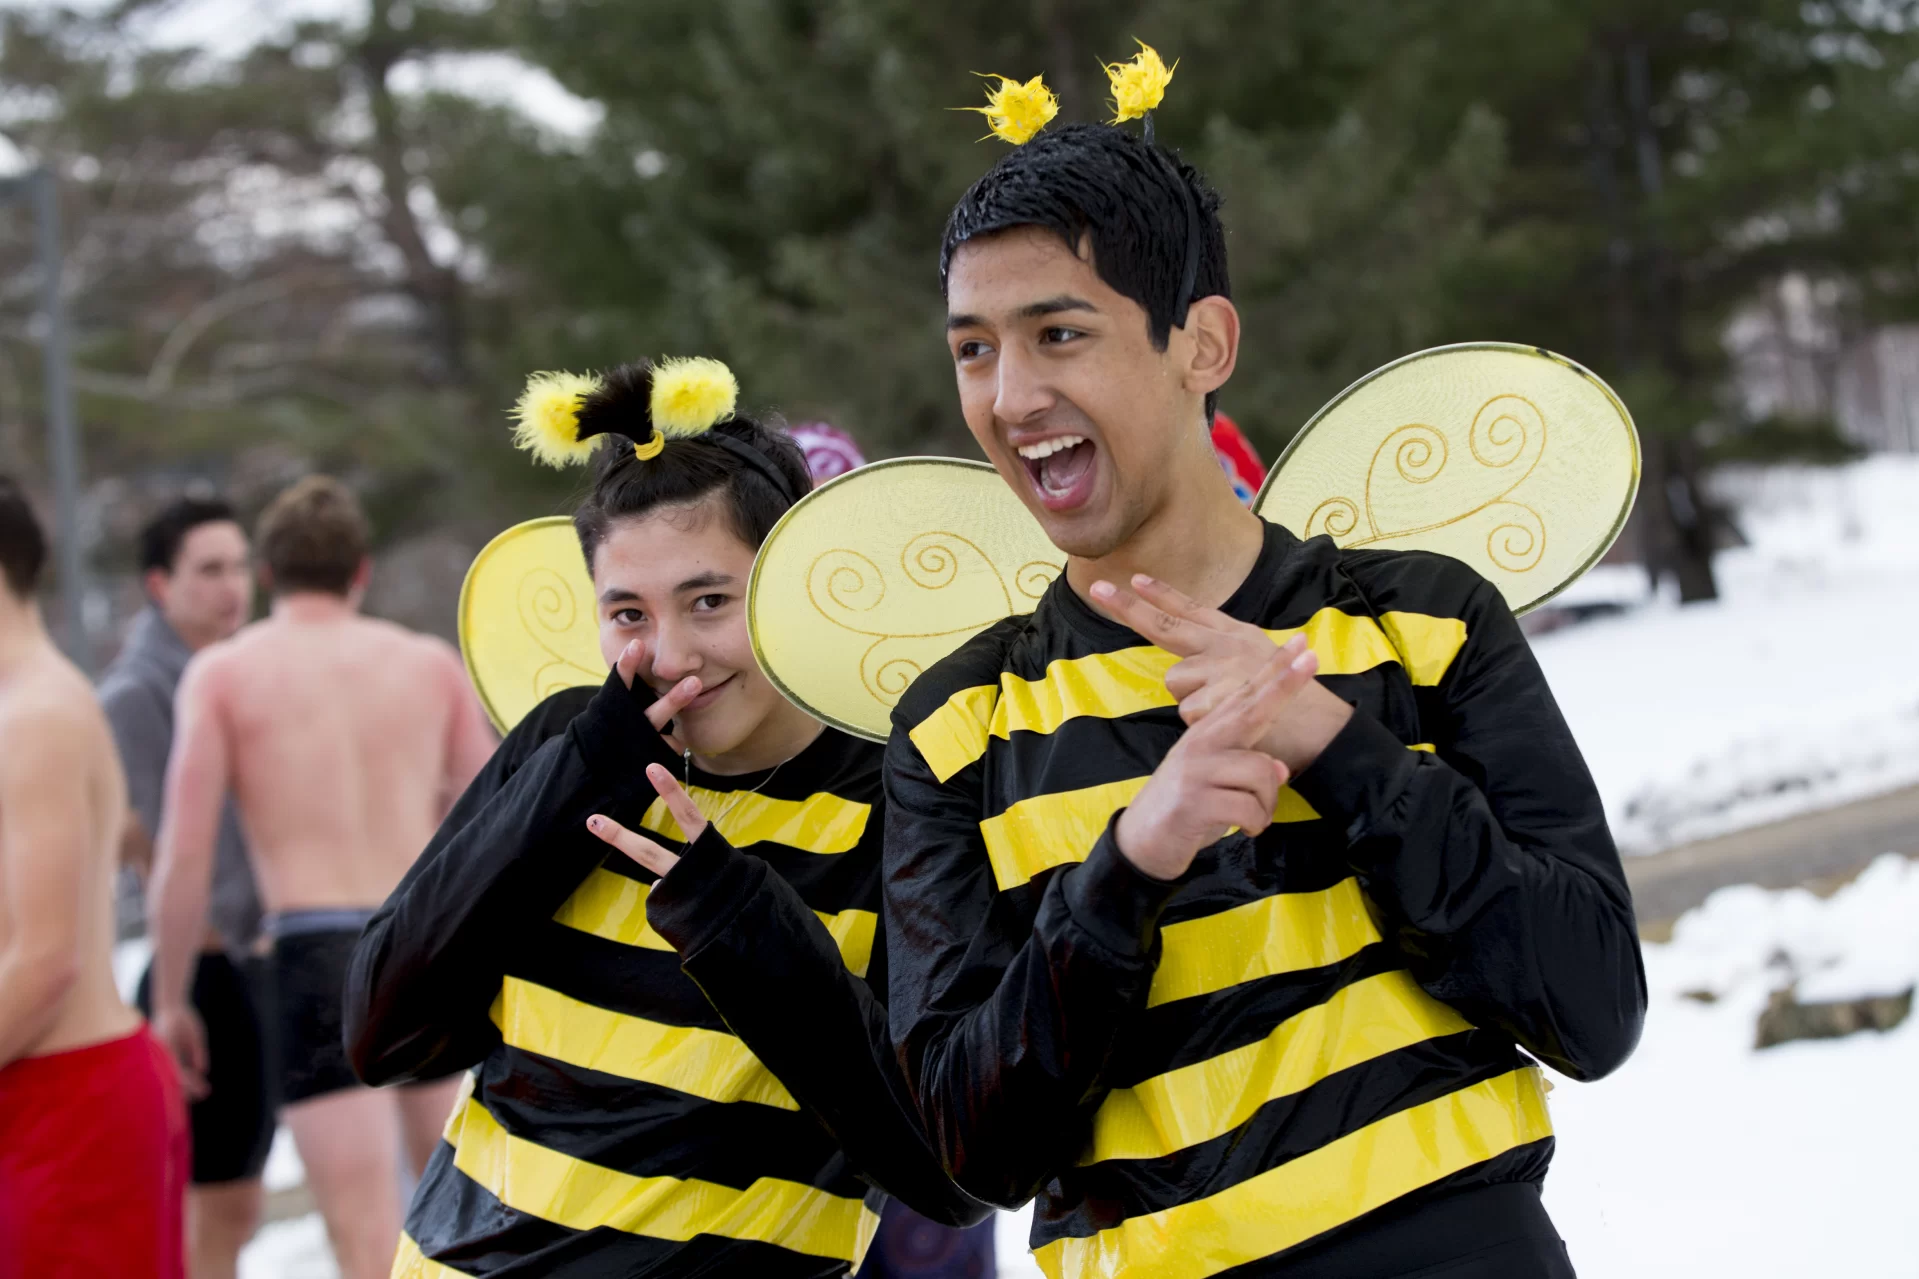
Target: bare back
{"x":347,"y":740}
{"x":63,"y":802}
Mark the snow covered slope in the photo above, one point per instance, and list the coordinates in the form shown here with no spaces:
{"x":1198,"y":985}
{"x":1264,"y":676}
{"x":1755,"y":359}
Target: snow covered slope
{"x":1797,"y":690}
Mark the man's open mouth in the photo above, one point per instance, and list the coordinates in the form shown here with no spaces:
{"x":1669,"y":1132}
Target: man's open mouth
{"x":1061,"y":469}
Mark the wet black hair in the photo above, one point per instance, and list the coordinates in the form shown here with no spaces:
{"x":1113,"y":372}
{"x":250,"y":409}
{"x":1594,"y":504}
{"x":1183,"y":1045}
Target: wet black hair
{"x":1152,"y":220}
{"x":162,"y":536}
{"x":23,"y":543}
{"x":754,"y":467}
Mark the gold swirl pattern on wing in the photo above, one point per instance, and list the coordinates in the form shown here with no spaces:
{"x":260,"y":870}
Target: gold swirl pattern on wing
{"x":947,"y":585}
{"x":547,"y":608}
{"x":1418,"y":482}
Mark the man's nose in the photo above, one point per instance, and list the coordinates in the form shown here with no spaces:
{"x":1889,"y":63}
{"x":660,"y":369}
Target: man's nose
{"x":1023,"y":391}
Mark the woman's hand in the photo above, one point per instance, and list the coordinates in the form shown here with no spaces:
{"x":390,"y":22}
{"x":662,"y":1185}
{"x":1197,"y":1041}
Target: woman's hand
{"x":668,"y":704}
{"x":678,"y":802}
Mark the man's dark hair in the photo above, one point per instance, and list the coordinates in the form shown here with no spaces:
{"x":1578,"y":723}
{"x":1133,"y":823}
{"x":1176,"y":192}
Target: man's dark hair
{"x":1135,"y":202}
{"x":687,"y":470}
{"x":23,"y":544}
{"x":314,"y":537}
{"x":164,"y":534}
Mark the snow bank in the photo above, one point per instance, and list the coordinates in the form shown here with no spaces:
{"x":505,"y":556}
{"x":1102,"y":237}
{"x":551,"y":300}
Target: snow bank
{"x":1794,"y":691}
{"x":1704,"y":1156}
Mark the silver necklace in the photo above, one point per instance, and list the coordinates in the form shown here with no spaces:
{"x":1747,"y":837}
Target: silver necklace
{"x":686,"y":763}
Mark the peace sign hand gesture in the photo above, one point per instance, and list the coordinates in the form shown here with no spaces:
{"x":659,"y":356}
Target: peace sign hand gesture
{"x":639,"y":847}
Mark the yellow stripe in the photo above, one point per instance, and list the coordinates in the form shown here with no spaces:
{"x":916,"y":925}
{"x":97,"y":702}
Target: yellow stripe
{"x":1284,"y":933}
{"x":705,"y":1063}
{"x":410,"y":1263}
{"x":1108,"y":685}
{"x":614,"y":907}
{"x":1310,"y":1195}
{"x":1422,"y":746}
{"x":1053,"y":830}
{"x":1197,"y":1103}
{"x":570,"y":1192}
{"x":1129,"y":680}
{"x":1427,"y":645}
{"x":955,"y":735}
{"x":820,"y":823}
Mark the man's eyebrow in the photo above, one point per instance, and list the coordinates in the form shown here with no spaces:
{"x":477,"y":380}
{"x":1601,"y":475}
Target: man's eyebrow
{"x":1054,"y":305}
{"x":704,"y":582}
{"x":1031,"y":311}
{"x":617,"y":595}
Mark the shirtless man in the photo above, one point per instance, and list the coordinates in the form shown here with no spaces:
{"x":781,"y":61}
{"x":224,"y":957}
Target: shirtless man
{"x":344,"y":740}
{"x":93,"y":1131}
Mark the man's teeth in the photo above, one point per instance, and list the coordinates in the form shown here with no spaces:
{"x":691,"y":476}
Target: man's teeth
{"x":1046,"y":448}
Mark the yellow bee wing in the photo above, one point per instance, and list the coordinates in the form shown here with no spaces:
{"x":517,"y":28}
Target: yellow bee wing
{"x":879,"y":573}
{"x":528,"y":627}
{"x":1517,"y":461}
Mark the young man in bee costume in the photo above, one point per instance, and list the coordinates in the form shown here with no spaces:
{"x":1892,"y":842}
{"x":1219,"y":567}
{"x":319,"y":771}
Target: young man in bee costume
{"x":1228,"y":892}
{"x":616,"y":1124}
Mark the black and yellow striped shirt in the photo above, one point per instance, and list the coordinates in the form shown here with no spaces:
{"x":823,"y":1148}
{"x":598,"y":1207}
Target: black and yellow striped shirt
{"x":1231,"y":1073}
{"x":613,"y":1125}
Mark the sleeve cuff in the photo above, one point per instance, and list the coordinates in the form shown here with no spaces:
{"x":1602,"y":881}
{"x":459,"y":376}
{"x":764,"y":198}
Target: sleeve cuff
{"x":701,"y":895}
{"x":614,"y":736}
{"x":1113,"y":901}
{"x":1357,"y":775}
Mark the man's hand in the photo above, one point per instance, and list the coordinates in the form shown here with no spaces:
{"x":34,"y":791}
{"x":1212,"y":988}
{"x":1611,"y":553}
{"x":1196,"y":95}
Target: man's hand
{"x":180,"y":1029}
{"x":1219,"y":655}
{"x":668,"y":704}
{"x":1214,"y":778}
{"x":639,"y":847}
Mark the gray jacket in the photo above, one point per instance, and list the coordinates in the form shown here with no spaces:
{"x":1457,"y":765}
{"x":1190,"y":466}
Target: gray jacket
{"x":137,"y":694}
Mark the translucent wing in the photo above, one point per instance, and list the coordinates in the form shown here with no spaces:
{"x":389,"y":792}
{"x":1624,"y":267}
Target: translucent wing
{"x":527,"y":623}
{"x":1513,"y":459}
{"x":877,"y":574}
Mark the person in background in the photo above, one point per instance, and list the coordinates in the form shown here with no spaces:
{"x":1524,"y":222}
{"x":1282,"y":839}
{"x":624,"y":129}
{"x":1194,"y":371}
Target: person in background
{"x":199,"y":588}
{"x":1238,"y":458}
{"x":344,"y":741}
{"x":908,"y":1245}
{"x":93,"y":1131}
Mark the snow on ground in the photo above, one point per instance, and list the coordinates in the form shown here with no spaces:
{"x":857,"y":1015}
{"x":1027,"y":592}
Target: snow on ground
{"x":1795,"y":691}
{"x":1702,"y":1156}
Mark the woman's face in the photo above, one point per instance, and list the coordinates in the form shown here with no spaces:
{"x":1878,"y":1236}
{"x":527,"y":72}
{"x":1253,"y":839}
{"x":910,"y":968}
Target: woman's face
{"x":676,"y":578}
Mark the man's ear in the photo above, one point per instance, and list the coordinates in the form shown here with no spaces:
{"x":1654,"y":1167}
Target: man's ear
{"x":266,"y":577}
{"x":1212,"y":327}
{"x":154,"y":583}
{"x":361,"y":576}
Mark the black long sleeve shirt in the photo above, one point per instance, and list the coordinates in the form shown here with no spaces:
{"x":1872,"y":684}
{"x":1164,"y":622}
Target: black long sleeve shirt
{"x":617,"y":1123}
{"x":1231,"y":1072}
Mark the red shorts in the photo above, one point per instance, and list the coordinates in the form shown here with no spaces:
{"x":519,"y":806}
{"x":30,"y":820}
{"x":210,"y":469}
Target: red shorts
{"x":94,"y":1157}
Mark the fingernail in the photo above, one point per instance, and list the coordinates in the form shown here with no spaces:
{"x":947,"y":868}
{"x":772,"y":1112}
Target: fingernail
{"x":1304,"y":660}
{"x":593,"y":823}
{"x":1140,"y":579}
{"x":1104,"y":590}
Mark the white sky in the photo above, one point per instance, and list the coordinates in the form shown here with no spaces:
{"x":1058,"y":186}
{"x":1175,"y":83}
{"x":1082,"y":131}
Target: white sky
{"x":228,"y":27}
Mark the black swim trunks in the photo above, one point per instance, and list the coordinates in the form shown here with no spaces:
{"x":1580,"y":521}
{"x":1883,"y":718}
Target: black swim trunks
{"x":311,"y":949}
{"x":233,"y":1123}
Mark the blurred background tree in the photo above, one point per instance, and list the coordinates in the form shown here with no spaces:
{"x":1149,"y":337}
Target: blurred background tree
{"x":322,"y":250}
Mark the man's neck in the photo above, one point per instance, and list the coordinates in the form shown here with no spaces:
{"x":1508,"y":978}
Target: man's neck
{"x":312,"y":606}
{"x":1201,"y":541}
{"x":194,"y":638}
{"x":22,"y":632}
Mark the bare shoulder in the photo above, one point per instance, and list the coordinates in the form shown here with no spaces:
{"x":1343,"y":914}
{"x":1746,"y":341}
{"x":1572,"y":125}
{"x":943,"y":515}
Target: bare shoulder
{"x":48,"y":709}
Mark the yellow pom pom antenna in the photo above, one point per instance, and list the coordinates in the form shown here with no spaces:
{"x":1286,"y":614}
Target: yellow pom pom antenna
{"x":691,"y":395}
{"x":546,"y":420}
{"x":1138,"y":85}
{"x":1015,"y":112}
